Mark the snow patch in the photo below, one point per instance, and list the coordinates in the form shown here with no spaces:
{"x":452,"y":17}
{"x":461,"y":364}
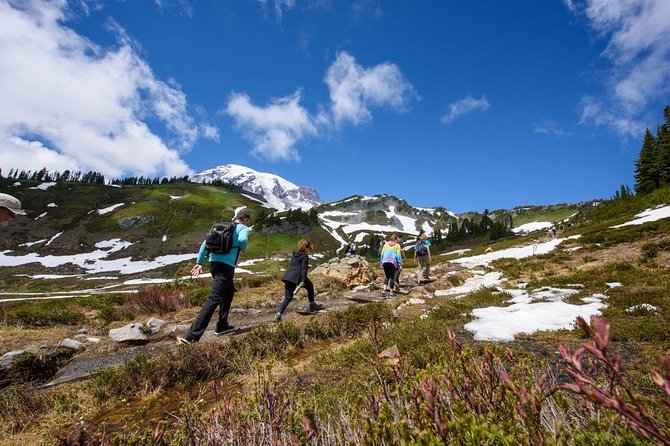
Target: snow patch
{"x":109,"y":209}
{"x":648,"y":215}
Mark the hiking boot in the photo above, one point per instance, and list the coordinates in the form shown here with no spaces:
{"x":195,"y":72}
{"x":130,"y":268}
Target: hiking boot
{"x":383,"y":293}
{"x":391,"y":295}
{"x":278,"y":317}
{"x":227,"y":329}
{"x":184,"y":341}
{"x":313,"y":306}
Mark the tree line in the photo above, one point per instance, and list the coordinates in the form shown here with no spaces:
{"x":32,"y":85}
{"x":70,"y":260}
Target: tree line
{"x":652,"y":168}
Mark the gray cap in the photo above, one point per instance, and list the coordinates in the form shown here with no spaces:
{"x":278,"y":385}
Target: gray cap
{"x":11,"y":203}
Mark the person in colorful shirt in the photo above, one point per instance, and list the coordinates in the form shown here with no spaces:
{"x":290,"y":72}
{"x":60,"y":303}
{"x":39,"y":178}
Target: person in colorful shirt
{"x":390,"y":259}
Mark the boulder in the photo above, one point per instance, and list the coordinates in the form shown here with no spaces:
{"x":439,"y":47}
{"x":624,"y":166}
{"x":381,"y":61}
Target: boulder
{"x":415,"y":301}
{"x":129,"y":333}
{"x":155,"y":325}
{"x":71,"y":343}
{"x":7,"y":360}
{"x":352,"y":270}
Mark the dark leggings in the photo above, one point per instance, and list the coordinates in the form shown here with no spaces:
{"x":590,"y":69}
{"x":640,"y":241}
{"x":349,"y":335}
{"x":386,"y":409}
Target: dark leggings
{"x":222,"y":294}
{"x":389,"y":272}
{"x":289,"y":288}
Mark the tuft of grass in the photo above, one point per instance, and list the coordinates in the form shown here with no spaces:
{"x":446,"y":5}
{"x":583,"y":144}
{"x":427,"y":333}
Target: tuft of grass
{"x":158,"y":299}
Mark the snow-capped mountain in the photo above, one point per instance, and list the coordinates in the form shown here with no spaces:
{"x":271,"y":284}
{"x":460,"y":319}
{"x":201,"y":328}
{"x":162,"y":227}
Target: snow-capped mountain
{"x":359,"y":217}
{"x":279,"y":193}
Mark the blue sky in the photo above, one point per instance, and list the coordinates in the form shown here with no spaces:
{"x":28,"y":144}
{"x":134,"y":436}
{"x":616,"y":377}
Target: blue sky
{"x":468,"y":105}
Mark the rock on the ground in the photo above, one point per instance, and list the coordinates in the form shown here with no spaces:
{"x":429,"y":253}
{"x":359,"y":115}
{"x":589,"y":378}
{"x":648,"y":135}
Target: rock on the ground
{"x":71,"y":343}
{"x":7,"y":360}
{"x":155,"y":325}
{"x":361,"y":287}
{"x":129,"y":333}
{"x":415,"y":301}
{"x":351,"y":270}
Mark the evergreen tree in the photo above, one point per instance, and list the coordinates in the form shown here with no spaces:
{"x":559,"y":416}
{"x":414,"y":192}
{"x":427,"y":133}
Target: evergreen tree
{"x":646,"y":166}
{"x":663,"y":155}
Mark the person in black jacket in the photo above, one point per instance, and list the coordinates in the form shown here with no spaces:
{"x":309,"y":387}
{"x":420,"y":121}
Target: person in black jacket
{"x":296,"y":275}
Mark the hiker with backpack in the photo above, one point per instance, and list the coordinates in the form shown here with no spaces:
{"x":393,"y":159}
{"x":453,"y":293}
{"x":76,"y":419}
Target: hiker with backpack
{"x":422,"y":253}
{"x":402,"y":259}
{"x":222,"y":248}
{"x":295,"y":278}
{"x":390,"y":260}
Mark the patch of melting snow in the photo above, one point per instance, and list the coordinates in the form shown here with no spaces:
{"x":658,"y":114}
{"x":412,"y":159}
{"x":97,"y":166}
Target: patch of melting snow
{"x":479,"y":280}
{"x":44,"y":186}
{"x":52,"y":205}
{"x":43,"y":214}
{"x":109,"y":209}
{"x":517,"y":252}
{"x":164,"y":238}
{"x":527,"y":315}
{"x":28,"y":244}
{"x":458,"y":251}
{"x":530,"y":227}
{"x":659,"y":212}
{"x":613,"y":284}
{"x":53,"y":238}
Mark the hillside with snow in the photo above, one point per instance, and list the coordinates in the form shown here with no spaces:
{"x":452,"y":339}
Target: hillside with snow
{"x":279,"y":193}
{"x":359,"y":218}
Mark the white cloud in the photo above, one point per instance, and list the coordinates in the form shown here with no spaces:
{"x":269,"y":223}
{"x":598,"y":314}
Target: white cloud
{"x":65,"y":102}
{"x":276,"y":128}
{"x":273,"y":129}
{"x":548,"y":127}
{"x":639,"y":49}
{"x":354,"y":89}
{"x":465,"y":106}
{"x":597,"y":113}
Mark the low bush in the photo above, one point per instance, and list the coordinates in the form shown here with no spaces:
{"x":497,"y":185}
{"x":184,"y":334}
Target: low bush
{"x":158,"y":299}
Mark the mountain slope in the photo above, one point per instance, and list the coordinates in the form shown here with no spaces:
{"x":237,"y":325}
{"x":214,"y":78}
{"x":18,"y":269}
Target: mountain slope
{"x":279,"y":193}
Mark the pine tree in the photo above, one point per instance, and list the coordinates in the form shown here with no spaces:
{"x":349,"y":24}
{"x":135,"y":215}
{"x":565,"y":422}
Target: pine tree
{"x":646,"y":166}
{"x":663,"y":156}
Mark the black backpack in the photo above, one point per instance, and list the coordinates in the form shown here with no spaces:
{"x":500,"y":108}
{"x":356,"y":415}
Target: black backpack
{"x":220,"y":238}
{"x":421,"y":248}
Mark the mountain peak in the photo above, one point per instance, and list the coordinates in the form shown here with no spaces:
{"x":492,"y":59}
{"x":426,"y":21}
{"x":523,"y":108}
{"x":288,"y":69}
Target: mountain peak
{"x":278,"y":192}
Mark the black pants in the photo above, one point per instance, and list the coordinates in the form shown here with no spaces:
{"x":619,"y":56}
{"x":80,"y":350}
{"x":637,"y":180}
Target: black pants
{"x":396,"y":277}
{"x":289,"y":288}
{"x":389,"y":272}
{"x":223,"y":291}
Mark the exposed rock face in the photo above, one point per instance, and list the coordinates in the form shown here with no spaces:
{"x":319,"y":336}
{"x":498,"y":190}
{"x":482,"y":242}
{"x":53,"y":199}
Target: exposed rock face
{"x":7,"y":360}
{"x":71,"y":343}
{"x":352,"y":270}
{"x":130,"y":333}
{"x":155,"y":325}
{"x":129,"y":222}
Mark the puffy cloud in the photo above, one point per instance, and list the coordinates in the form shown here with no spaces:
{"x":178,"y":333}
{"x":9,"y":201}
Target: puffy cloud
{"x":465,"y":106}
{"x":65,"y":102}
{"x":354,"y":89}
{"x":276,"y":128}
{"x":639,"y":49}
{"x":273,"y":129}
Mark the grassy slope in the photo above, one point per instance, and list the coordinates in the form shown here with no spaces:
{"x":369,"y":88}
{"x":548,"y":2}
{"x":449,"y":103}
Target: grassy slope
{"x":325,"y":369}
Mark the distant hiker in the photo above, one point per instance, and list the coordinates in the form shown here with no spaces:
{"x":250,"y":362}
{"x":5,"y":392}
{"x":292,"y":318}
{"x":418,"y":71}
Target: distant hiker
{"x":10,"y":207}
{"x":390,"y":260}
{"x":422,"y":253}
{"x":296,"y":276}
{"x":222,"y":268}
{"x":403,"y":257}
{"x":351,"y":251}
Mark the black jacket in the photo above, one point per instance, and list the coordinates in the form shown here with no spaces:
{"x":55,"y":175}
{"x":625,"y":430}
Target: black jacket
{"x":297,"y":268}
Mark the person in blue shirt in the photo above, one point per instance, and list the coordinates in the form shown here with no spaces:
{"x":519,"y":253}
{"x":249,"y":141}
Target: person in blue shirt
{"x":222,"y":268}
{"x":422,"y":253}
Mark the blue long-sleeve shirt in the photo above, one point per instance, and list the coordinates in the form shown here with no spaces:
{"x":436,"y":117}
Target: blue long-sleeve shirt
{"x":240,"y":242}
